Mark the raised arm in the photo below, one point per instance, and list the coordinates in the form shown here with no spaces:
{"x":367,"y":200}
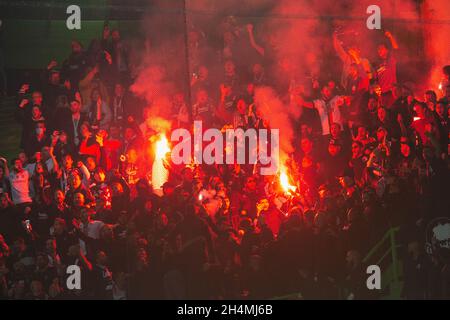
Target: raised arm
{"x":86,"y":174}
{"x":86,"y":81}
{"x":54,"y":161}
{"x":339,"y":49}
{"x":82,"y":258}
{"x":253,"y":43}
{"x":302,"y":103}
{"x":391,"y":38}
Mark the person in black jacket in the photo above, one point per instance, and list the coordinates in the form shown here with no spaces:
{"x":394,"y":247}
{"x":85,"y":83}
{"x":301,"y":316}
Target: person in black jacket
{"x":71,"y":122}
{"x":101,"y":277}
{"x":37,"y":140}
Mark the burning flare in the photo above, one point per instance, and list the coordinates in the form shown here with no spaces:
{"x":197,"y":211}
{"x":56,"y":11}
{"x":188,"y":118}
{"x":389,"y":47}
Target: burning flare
{"x":161,"y":147}
{"x":284,"y":182}
{"x":160,"y":174}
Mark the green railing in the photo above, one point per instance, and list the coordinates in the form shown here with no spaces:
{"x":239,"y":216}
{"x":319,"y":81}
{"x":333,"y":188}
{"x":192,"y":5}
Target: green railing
{"x":385,"y":255}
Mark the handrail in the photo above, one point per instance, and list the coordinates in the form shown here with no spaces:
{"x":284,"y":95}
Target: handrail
{"x":389,"y":234}
{"x":392,"y":250}
{"x":394,"y":281}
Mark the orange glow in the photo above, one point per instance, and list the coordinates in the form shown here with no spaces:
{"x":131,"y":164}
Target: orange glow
{"x":160,"y":174}
{"x":285,"y":183}
{"x":161,"y":147}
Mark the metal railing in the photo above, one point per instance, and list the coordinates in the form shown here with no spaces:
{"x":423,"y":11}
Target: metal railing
{"x":388,"y":260}
{"x":384,"y":254}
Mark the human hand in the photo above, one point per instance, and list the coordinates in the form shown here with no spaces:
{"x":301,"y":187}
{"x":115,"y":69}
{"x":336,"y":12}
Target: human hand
{"x":23,"y":103}
{"x":52,"y":64}
{"x":24,"y":88}
{"x":108,"y":57}
{"x":99,"y":138}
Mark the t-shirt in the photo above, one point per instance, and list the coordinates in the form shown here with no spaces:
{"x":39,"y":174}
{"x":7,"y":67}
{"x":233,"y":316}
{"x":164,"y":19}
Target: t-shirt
{"x":387,"y":73}
{"x":329,"y":113}
{"x":32,"y":166}
{"x":92,"y":230}
{"x":20,"y":187}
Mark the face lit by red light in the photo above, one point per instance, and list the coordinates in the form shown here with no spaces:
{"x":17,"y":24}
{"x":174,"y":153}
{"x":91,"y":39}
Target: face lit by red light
{"x":257,"y":69}
{"x":36,"y":112}
{"x":382,"y":51}
{"x":397,"y":91}
{"x":418,"y":108}
{"x":115,"y":35}
{"x":59,"y":226}
{"x":250,"y":88}
{"x":59,"y":196}
{"x":75,"y":106}
{"x":95,"y":95}
{"x":307,"y":162}
{"x":18,"y":165}
{"x":353,"y":72}
{"x":356,"y":150}
{"x":331,"y":85}
{"x":37,"y":98}
{"x":132,"y":156}
{"x":117,"y":189}
{"x":381,"y":133}
{"x":23,"y":157}
{"x":405,"y":149}
{"x":440,"y":109}
{"x":68,"y":161}
{"x":242,"y":107}
{"x":84,"y":131}
{"x":334,"y":150}
{"x":326,"y":92}
{"x":75,"y":181}
{"x":202,"y":97}
{"x":305,"y":130}
{"x":39,"y":168}
{"x":228,"y":38}
{"x":229,"y":67}
{"x":118,"y":90}
{"x":335,"y":130}
{"x":203,"y":72}
{"x":78,"y":200}
{"x":129,"y":134}
{"x":250,"y":184}
{"x":306,"y":145}
{"x":76,"y":47}
{"x":55,"y":78}
{"x":90,"y":163}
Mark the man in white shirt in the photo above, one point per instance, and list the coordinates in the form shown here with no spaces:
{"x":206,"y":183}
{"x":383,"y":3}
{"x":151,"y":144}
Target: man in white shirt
{"x":91,"y":228}
{"x":46,"y":156}
{"x":20,"y":183}
{"x":329,"y":111}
